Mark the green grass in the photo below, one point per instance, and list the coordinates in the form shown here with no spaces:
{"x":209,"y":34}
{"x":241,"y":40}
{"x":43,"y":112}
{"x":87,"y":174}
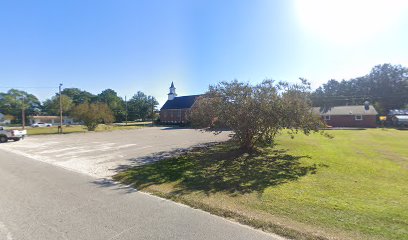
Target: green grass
{"x":80,"y":128}
{"x":54,"y":130}
{"x":354,"y":186}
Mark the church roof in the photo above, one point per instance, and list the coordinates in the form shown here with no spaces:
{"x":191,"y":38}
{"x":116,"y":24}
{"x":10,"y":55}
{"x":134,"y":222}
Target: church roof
{"x":180,"y":102}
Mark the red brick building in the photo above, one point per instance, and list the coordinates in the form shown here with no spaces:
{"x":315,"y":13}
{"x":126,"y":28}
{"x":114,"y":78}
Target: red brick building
{"x":349,"y":116}
{"x":176,"y":109}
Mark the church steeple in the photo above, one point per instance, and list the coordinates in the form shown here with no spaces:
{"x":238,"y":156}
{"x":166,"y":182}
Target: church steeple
{"x":172,"y":93}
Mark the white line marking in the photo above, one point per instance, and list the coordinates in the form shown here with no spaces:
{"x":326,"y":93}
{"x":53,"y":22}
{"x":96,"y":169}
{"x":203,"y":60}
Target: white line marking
{"x":5,"y":232}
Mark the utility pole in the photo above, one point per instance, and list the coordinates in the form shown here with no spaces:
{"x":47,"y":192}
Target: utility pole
{"x":126,"y":115}
{"x":23,"y":113}
{"x":60,"y":105}
{"x":152,"y":116}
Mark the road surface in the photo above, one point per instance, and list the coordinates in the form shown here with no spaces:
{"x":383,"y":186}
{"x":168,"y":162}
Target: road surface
{"x":42,"y":201}
{"x":102,"y":154}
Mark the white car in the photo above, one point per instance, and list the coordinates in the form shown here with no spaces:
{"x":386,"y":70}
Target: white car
{"x":15,"y":135}
{"x":41,"y":124}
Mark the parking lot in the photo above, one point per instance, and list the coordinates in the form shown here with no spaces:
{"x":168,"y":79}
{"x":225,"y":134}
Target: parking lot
{"x":102,"y":154}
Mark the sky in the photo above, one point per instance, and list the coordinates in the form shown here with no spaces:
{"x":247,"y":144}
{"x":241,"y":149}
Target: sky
{"x":144,"y":45}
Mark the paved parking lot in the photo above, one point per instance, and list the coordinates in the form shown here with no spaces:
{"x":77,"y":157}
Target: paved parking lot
{"x":102,"y":154}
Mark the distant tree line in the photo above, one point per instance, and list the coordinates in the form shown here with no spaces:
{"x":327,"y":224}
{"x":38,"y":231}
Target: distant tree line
{"x":386,"y":87}
{"x":14,"y":101}
{"x":74,"y":100}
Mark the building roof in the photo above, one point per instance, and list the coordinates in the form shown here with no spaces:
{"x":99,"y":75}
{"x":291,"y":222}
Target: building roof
{"x":346,"y":110}
{"x":180,"y":102}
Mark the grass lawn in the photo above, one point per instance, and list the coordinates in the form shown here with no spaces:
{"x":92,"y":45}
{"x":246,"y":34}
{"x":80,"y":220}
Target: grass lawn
{"x":80,"y":128}
{"x":354,"y":186}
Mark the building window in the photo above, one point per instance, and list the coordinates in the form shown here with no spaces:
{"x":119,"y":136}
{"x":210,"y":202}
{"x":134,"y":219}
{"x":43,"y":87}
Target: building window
{"x":358,"y":117}
{"x":327,"y":117}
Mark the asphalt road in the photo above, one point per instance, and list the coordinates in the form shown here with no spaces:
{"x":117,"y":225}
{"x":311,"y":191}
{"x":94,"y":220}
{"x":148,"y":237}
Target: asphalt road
{"x":43,"y":201}
{"x":102,"y":154}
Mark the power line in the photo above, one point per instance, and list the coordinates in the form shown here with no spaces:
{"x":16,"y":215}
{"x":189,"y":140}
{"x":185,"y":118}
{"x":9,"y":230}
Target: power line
{"x":363,"y":96}
{"x":29,"y":87}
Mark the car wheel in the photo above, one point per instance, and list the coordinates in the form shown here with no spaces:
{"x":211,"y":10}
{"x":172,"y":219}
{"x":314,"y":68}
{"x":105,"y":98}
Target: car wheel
{"x":16,"y":139}
{"x":3,"y":139}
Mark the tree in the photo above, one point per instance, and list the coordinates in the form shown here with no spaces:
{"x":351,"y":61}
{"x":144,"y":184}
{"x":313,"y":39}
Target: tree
{"x":93,"y":114}
{"x":152,"y":103}
{"x":389,"y":86}
{"x":14,"y":101}
{"x":141,"y":106}
{"x":256,"y":114}
{"x":386,"y":87}
{"x":52,"y":106}
{"x":78,"y":96}
{"x":115,"y":103}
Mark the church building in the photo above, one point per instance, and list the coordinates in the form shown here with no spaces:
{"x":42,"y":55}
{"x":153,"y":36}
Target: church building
{"x":175,"y":110}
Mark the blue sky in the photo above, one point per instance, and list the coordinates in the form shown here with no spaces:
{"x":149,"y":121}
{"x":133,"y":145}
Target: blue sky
{"x":144,"y":45}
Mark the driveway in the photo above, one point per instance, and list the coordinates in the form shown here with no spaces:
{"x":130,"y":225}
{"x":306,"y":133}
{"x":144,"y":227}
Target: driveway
{"x":102,"y":154}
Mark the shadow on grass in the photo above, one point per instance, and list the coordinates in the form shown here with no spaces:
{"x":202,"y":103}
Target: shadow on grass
{"x":219,"y":168}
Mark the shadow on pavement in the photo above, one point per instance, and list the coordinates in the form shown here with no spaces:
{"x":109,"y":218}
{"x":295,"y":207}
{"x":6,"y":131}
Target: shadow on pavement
{"x":140,"y":161}
{"x":213,"y":168}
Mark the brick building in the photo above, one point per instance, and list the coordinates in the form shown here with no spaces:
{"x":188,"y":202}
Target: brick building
{"x":349,"y":116}
{"x":175,"y":110}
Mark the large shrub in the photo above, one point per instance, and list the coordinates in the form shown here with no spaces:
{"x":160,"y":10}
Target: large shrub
{"x":256,"y":113}
{"x":93,"y":114}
